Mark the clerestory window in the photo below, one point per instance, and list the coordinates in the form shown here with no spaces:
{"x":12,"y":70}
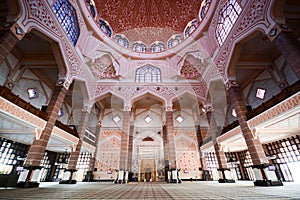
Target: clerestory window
{"x":227,"y":18}
{"x":67,"y":17}
{"x":148,"y":74}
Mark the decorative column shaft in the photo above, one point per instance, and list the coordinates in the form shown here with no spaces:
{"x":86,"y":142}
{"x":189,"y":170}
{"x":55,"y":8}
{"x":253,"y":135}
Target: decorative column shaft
{"x":199,"y":142}
{"x":170,"y":139}
{"x":254,"y":145}
{"x":130,"y":147}
{"x":221,"y":158}
{"x":96,"y":154}
{"x":125,"y":140}
{"x":38,"y":147}
{"x":166,"y":151}
{"x":7,"y":43}
{"x":84,"y":118}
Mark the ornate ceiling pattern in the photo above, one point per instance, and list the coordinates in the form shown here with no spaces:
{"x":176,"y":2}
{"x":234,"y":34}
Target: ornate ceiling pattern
{"x":162,"y":16}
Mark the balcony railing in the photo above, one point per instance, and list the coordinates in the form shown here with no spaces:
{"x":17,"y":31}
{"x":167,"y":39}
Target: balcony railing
{"x":6,"y":93}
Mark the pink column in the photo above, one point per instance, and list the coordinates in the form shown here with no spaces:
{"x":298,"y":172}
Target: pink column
{"x":7,"y":43}
{"x":289,"y":47}
{"x":170,"y":138}
{"x":84,"y":118}
{"x":125,"y":140}
{"x":254,"y":145}
{"x":38,"y":146}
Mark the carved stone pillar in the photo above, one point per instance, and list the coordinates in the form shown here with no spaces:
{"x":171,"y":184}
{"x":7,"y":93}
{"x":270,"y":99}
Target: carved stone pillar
{"x":7,"y":43}
{"x":171,"y":141}
{"x":81,"y":132}
{"x":130,"y":147}
{"x":221,"y":158}
{"x":254,"y":145}
{"x":84,"y":118}
{"x":39,"y":144}
{"x":124,"y":145}
{"x":171,"y":171}
{"x":166,"y":151}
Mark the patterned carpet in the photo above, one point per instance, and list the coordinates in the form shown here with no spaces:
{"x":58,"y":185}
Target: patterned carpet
{"x":186,"y":190}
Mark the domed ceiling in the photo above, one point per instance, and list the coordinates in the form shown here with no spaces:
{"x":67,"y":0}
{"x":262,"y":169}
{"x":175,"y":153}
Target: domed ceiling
{"x":148,"y":20}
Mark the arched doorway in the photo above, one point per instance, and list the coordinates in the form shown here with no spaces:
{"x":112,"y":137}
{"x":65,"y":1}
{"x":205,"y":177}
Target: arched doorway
{"x":148,"y":157}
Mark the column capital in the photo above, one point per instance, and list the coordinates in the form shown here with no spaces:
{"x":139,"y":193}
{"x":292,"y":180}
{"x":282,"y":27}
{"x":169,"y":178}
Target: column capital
{"x":17,"y":31}
{"x":207,"y":108}
{"x":230,"y":84}
{"x":276,"y":30}
{"x":127,"y":108}
{"x":63,"y":82}
{"x":169,"y":106}
{"x":86,"y":108}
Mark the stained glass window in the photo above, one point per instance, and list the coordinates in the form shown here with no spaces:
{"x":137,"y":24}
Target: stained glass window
{"x":67,"y":17}
{"x":203,"y":9}
{"x":148,"y":74}
{"x":157,"y":47}
{"x":122,"y":40}
{"x":105,"y":27}
{"x":227,"y":17}
{"x":139,"y":47}
{"x":91,"y":6}
{"x":174,"y":40}
{"x":190,"y":28}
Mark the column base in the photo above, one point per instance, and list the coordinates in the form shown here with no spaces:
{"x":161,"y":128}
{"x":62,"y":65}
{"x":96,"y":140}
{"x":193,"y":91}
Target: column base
{"x":206,"y":176}
{"x":267,"y":183}
{"x":67,"y":179}
{"x":29,"y":178}
{"x":226,"y":180}
{"x":265,"y":175}
{"x":67,"y":182}
{"x":28,"y":184}
{"x":225,"y":176}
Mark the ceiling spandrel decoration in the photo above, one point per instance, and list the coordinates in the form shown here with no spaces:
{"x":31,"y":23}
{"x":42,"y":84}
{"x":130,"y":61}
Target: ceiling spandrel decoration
{"x":103,"y":68}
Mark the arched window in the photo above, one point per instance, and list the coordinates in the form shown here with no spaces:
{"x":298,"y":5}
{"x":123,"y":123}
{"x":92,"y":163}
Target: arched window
{"x":139,"y":47}
{"x":104,"y":26}
{"x":91,"y":6}
{"x":190,"y":28}
{"x":148,"y":74}
{"x":67,"y":17}
{"x":157,"y":47}
{"x":227,"y":17}
{"x":174,"y":41}
{"x":203,"y":9}
{"x":122,"y":40}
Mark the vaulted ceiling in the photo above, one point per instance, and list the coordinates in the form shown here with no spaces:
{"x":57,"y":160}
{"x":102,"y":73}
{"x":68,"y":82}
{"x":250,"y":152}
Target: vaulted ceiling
{"x":148,"y":20}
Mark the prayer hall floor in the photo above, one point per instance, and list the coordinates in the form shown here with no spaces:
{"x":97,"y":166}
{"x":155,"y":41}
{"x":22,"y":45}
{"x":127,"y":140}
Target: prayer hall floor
{"x":155,"y":190}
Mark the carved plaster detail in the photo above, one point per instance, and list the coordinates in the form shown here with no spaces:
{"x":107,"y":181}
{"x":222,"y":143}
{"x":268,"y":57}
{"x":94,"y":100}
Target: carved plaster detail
{"x":254,"y":15}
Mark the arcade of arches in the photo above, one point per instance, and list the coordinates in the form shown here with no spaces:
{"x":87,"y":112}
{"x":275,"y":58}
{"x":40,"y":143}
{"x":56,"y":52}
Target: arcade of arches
{"x":154,"y":91}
